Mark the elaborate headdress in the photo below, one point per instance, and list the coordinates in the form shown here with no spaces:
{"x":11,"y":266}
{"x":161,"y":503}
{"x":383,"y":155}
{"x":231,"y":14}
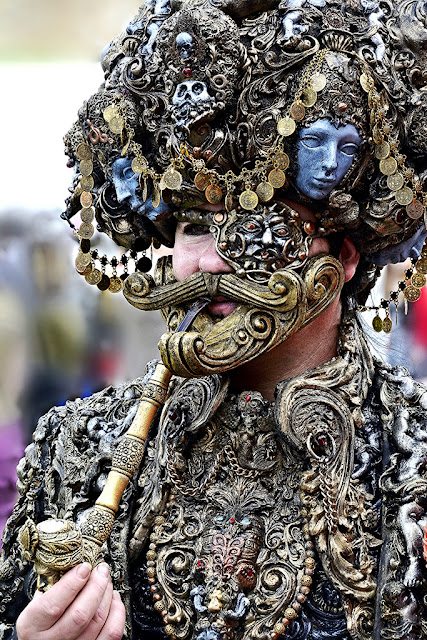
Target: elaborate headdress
{"x":209,"y":101}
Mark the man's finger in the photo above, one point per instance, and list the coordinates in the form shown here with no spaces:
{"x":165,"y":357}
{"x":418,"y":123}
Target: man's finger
{"x":114,"y":626}
{"x":78,"y":615}
{"x":100,"y":616}
{"x":47,"y":608}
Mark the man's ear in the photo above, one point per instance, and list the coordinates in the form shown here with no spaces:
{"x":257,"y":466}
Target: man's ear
{"x":349,"y":258}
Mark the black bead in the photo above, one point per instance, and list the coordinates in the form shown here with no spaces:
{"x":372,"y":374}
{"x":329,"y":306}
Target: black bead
{"x":144,"y":264}
{"x":141,"y":244}
{"x":104,"y":283}
{"x":133,"y":254}
{"x":114,"y":261}
{"x":384,"y":304}
{"x":124,"y":276}
{"x":408,"y":273}
{"x":85,"y":245}
{"x":394,"y":295}
{"x":402,"y":286}
{"x":95,"y":253}
{"x":124,"y":259}
{"x":104,"y":260}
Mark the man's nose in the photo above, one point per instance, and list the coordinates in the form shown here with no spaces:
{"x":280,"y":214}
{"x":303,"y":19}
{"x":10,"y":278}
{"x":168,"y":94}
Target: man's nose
{"x":210,"y":261}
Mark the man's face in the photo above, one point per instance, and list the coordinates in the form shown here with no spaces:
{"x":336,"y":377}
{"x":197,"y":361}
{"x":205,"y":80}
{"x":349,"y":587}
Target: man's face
{"x":195,"y":249}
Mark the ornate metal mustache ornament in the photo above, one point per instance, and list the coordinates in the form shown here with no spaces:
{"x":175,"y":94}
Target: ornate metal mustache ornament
{"x":278,"y":287}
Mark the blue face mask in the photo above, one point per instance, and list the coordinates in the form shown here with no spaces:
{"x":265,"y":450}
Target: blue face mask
{"x":324,"y":155}
{"x":126,"y":184}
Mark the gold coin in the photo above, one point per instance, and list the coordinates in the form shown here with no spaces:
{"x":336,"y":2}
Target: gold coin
{"x":86,"y":167}
{"x":82,"y":260}
{"x":412,"y":293}
{"x":404,"y":196}
{"x":88,"y":269}
{"x":421,"y":265}
{"x":277,"y":178}
{"x":387,"y":325}
{"x":155,"y":198}
{"x":138,"y":165}
{"x":110,"y":112}
{"x":116,"y":285}
{"x":309,"y":97}
{"x":213,"y":194}
{"x":382,"y":150}
{"x":297,"y":110}
{"x":418,"y":280}
{"x":364,"y":82}
{"x":265,"y":191}
{"x":395,"y":181}
{"x":116,"y":124}
{"x":318,"y":81}
{"x":248,"y":199}
{"x":286,"y":126}
{"x":415,"y":209}
{"x":87,"y":215}
{"x":86,"y":199}
{"x":388,"y":166}
{"x":86,"y":230}
{"x":377,"y":135}
{"x":83,"y":152}
{"x":172,"y":179}
{"x":281,"y":160}
{"x":87,"y":183}
{"x":377,"y":324}
{"x":94,"y":277}
{"x":202,"y":181}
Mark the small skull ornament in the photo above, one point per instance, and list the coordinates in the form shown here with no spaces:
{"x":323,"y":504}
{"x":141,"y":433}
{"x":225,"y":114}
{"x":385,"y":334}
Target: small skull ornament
{"x":184,"y":45}
{"x":190,"y":101}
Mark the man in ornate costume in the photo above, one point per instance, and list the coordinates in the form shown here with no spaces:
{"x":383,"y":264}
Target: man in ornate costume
{"x":280,"y":147}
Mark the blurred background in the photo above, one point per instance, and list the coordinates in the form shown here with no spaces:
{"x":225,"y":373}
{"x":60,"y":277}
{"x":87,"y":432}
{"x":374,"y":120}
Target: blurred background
{"x":59,"y":337}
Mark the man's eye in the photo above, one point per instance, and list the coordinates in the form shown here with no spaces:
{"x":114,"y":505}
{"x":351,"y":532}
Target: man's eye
{"x":196,"y":229}
{"x":349,"y":149}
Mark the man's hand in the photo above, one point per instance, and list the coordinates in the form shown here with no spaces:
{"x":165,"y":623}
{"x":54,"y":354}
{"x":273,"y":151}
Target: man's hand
{"x":81,"y":606}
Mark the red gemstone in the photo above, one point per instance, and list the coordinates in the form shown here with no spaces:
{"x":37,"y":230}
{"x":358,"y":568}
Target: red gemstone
{"x":248,"y":398}
{"x":232,"y":520}
{"x":342,"y":106}
{"x":187,"y":73}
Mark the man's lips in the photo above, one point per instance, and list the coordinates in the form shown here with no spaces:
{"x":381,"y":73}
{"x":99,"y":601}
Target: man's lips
{"x":222,"y":306}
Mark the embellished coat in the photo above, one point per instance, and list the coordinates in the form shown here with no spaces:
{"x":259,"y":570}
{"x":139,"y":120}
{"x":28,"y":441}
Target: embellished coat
{"x":303,"y":518}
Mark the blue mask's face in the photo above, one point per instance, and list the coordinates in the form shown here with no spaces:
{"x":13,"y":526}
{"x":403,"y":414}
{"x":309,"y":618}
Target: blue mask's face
{"x":324,"y":155}
{"x":126,"y":184}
